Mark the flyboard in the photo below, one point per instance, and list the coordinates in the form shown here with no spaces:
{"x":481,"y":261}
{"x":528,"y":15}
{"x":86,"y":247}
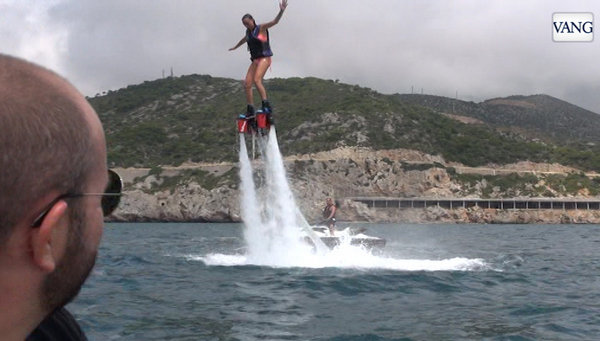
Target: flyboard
{"x":258,"y":126}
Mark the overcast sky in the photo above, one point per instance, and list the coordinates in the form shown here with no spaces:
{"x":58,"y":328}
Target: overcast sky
{"x":479,"y":49}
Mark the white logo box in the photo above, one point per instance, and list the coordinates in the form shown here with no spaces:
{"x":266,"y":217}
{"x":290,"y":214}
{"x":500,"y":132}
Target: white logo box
{"x":575,"y":27}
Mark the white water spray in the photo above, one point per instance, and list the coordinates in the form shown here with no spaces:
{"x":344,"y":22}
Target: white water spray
{"x":274,"y":227}
{"x":249,"y":204}
{"x":285,"y":211}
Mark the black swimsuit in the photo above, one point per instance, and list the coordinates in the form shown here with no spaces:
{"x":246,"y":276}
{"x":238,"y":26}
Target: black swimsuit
{"x":257,"y":44}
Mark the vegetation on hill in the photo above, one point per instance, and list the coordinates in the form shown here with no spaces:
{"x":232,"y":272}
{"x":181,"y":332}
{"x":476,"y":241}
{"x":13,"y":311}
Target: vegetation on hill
{"x":528,"y":185}
{"x":536,"y":117}
{"x":173,"y":120}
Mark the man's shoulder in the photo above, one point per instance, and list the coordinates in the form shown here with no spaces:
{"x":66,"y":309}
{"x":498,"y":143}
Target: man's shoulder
{"x":59,"y":325}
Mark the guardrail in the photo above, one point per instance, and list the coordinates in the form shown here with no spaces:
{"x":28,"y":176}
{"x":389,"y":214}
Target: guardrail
{"x":501,"y":204}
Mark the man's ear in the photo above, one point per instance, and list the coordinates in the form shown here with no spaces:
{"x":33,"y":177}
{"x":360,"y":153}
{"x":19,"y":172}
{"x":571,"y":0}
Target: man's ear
{"x":49,"y":240}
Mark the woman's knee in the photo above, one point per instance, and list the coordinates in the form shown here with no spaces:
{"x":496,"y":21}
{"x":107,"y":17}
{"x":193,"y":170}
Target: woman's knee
{"x":248,"y":83}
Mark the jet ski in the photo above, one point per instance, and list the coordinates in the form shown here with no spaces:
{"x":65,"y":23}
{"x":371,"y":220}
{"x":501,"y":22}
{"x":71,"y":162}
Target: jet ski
{"x":349,"y":235}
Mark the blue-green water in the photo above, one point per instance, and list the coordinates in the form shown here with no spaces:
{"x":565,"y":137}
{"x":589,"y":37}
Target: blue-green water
{"x":431,"y":282}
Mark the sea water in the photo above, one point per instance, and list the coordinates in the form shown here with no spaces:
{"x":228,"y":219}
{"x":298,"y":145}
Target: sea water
{"x":430,"y":282}
{"x":260,"y":281}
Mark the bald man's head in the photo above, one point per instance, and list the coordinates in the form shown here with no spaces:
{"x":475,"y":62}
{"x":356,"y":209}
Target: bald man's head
{"x":44,"y":139}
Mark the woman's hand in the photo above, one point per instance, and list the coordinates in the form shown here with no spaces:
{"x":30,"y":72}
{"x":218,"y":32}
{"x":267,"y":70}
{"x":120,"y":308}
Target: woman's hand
{"x":282,"y":6}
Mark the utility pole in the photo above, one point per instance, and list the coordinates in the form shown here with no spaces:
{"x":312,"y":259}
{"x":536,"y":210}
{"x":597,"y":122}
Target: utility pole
{"x":455,"y":99}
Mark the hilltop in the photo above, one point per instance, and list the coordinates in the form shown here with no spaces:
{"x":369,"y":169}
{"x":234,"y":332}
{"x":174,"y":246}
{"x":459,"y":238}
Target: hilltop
{"x":536,"y":117}
{"x":191,"y":119}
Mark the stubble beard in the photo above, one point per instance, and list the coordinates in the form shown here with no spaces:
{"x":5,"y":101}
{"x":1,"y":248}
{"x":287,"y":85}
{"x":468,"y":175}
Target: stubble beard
{"x":63,"y":284}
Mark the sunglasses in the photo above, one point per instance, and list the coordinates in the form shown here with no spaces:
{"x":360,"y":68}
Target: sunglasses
{"x":110,"y":198}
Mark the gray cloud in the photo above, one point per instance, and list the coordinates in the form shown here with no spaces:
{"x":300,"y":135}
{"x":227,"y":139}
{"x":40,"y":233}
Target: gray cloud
{"x":480,"y":49}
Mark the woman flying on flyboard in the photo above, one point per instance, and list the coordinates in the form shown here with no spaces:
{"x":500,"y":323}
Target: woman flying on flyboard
{"x":257,"y":38}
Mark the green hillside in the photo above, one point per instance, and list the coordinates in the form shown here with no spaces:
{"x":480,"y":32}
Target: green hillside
{"x":536,"y":117}
{"x":172,"y":120}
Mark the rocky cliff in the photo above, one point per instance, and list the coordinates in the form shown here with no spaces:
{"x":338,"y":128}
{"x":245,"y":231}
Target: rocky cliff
{"x":209,"y":192}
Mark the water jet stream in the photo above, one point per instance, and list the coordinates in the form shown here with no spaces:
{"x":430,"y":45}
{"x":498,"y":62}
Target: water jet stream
{"x":274,"y":225}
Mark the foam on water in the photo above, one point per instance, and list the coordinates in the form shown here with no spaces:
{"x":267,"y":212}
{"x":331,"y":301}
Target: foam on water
{"x":350,"y":258}
{"x":274,"y":228}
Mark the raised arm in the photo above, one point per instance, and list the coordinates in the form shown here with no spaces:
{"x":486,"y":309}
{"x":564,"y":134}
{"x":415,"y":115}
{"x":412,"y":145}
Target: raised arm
{"x":282,"y":6}
{"x":240,"y":43}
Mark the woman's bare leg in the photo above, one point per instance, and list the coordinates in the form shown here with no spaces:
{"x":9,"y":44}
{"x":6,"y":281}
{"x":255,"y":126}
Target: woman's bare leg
{"x":262,"y":65}
{"x":248,"y":83}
